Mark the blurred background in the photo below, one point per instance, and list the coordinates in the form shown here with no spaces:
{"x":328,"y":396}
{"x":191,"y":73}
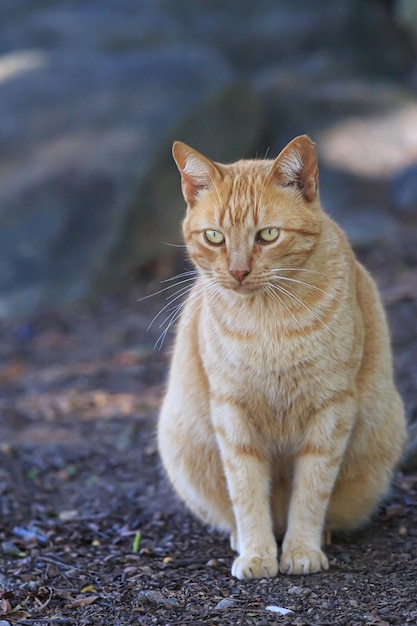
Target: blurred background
{"x":93,"y":92}
{"x":92,"y":95}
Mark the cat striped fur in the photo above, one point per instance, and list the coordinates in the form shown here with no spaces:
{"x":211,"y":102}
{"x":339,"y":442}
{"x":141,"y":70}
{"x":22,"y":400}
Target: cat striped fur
{"x":281,"y":417}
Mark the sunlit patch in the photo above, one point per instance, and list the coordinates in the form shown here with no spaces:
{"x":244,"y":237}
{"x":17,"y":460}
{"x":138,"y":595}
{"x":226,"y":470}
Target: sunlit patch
{"x":373,"y":146}
{"x":20,"y":62}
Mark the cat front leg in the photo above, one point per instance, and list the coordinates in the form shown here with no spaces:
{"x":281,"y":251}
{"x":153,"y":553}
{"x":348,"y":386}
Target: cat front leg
{"x":316,"y":469}
{"x":248,"y":480}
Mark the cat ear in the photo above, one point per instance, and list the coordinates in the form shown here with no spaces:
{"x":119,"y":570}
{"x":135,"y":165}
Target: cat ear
{"x":197,"y":172}
{"x":297,"y":166}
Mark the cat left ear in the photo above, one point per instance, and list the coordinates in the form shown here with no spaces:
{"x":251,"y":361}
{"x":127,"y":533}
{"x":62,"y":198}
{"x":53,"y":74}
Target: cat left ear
{"x":197,"y":172}
{"x":296,"y":165}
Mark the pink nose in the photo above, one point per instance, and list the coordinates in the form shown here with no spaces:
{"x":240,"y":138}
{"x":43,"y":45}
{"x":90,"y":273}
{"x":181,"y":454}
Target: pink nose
{"x":240,"y":275}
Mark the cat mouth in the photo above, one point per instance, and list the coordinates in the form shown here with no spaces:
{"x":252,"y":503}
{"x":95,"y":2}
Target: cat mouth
{"x":243,"y":289}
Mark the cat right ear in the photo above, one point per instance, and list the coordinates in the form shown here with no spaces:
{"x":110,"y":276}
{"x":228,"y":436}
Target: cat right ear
{"x":296,"y":165}
{"x":197,"y":172}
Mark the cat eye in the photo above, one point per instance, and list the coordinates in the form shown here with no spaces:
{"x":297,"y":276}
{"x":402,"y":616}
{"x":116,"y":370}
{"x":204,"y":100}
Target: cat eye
{"x":214,"y":236}
{"x":267,"y":235}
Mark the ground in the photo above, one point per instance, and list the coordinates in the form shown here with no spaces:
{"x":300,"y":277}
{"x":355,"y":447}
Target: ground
{"x":90,"y":531}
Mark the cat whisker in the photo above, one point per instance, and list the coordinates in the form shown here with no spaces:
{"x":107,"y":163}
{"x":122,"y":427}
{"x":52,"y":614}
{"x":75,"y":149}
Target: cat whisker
{"x":298,"y":269}
{"x":174,"y":245}
{"x":177,"y":295}
{"x":169,"y":321}
{"x":215,"y":288}
{"x":156,"y":293}
{"x":177,"y":310}
{"x":271,"y":291}
{"x":296,"y":299}
{"x":310,"y":286}
{"x":301,"y":303}
{"x":180,"y":291}
{"x":182,"y":275}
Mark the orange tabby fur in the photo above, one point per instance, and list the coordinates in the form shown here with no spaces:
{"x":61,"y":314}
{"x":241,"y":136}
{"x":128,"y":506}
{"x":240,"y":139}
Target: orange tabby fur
{"x":281,"y":415}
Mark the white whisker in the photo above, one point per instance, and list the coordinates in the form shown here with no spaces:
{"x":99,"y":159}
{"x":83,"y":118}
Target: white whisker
{"x":156,"y":293}
{"x":155,"y":317}
{"x":177,"y":310}
{"x":298,"y":269}
{"x":175,"y":297}
{"x":278,"y":277}
{"x":182,"y":275}
{"x":270,"y":290}
{"x":302,"y":282}
{"x":174,"y":245}
{"x":296,"y":299}
{"x":180,"y":291}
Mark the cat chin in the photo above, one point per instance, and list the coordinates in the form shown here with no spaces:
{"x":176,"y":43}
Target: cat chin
{"x":243,"y":290}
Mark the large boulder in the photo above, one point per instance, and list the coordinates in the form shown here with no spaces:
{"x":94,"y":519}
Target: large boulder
{"x":88,"y":189}
{"x":93,"y":93}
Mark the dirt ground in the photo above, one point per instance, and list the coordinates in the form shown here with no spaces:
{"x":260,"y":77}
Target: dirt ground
{"x":90,"y":531}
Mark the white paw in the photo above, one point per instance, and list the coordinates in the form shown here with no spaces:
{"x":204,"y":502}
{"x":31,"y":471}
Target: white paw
{"x":303,"y":561}
{"x":247,"y":567}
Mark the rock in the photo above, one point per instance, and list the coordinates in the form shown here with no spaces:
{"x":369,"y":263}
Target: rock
{"x":226,"y":603}
{"x":359,"y":206}
{"x":405,"y":12}
{"x":152,"y":596}
{"x":93,"y":93}
{"x":85,"y":168}
{"x":403,"y":189}
{"x":250,"y":36}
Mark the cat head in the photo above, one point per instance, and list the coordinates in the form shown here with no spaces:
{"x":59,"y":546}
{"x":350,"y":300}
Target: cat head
{"x":252,"y":218}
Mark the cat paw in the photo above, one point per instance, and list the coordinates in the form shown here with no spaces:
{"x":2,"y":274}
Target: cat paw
{"x":248,"y":567}
{"x":303,"y":561}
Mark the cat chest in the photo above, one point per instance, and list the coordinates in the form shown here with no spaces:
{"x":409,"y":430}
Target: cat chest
{"x":266,"y":379}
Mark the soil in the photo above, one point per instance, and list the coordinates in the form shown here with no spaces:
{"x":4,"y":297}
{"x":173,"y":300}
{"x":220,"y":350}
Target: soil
{"x":91,"y":532}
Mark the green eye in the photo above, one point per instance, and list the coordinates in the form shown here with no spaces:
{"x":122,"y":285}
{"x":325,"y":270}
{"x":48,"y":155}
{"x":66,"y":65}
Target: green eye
{"x":214,"y":236}
{"x":267,"y":235}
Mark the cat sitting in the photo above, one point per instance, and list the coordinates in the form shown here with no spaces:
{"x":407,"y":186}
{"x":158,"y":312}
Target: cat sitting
{"x":281,"y":416}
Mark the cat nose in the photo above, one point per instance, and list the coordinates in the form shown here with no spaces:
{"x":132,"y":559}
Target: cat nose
{"x":240,"y":275}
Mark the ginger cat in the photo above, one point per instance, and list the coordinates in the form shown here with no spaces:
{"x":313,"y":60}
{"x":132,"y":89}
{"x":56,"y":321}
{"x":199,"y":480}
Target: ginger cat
{"x":281,"y":416}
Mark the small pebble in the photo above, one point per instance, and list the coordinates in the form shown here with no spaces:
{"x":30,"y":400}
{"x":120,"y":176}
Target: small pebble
{"x":11,"y":549}
{"x":151,"y":596}
{"x":213,"y":563}
{"x":403,"y":531}
{"x":155,"y":597}
{"x":171,"y":603}
{"x":278,"y":609}
{"x":297,"y":590}
{"x":226,"y":603}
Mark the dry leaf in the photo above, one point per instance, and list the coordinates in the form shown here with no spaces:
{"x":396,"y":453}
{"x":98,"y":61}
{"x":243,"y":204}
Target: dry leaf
{"x":5,"y":606}
{"x":83,"y":600}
